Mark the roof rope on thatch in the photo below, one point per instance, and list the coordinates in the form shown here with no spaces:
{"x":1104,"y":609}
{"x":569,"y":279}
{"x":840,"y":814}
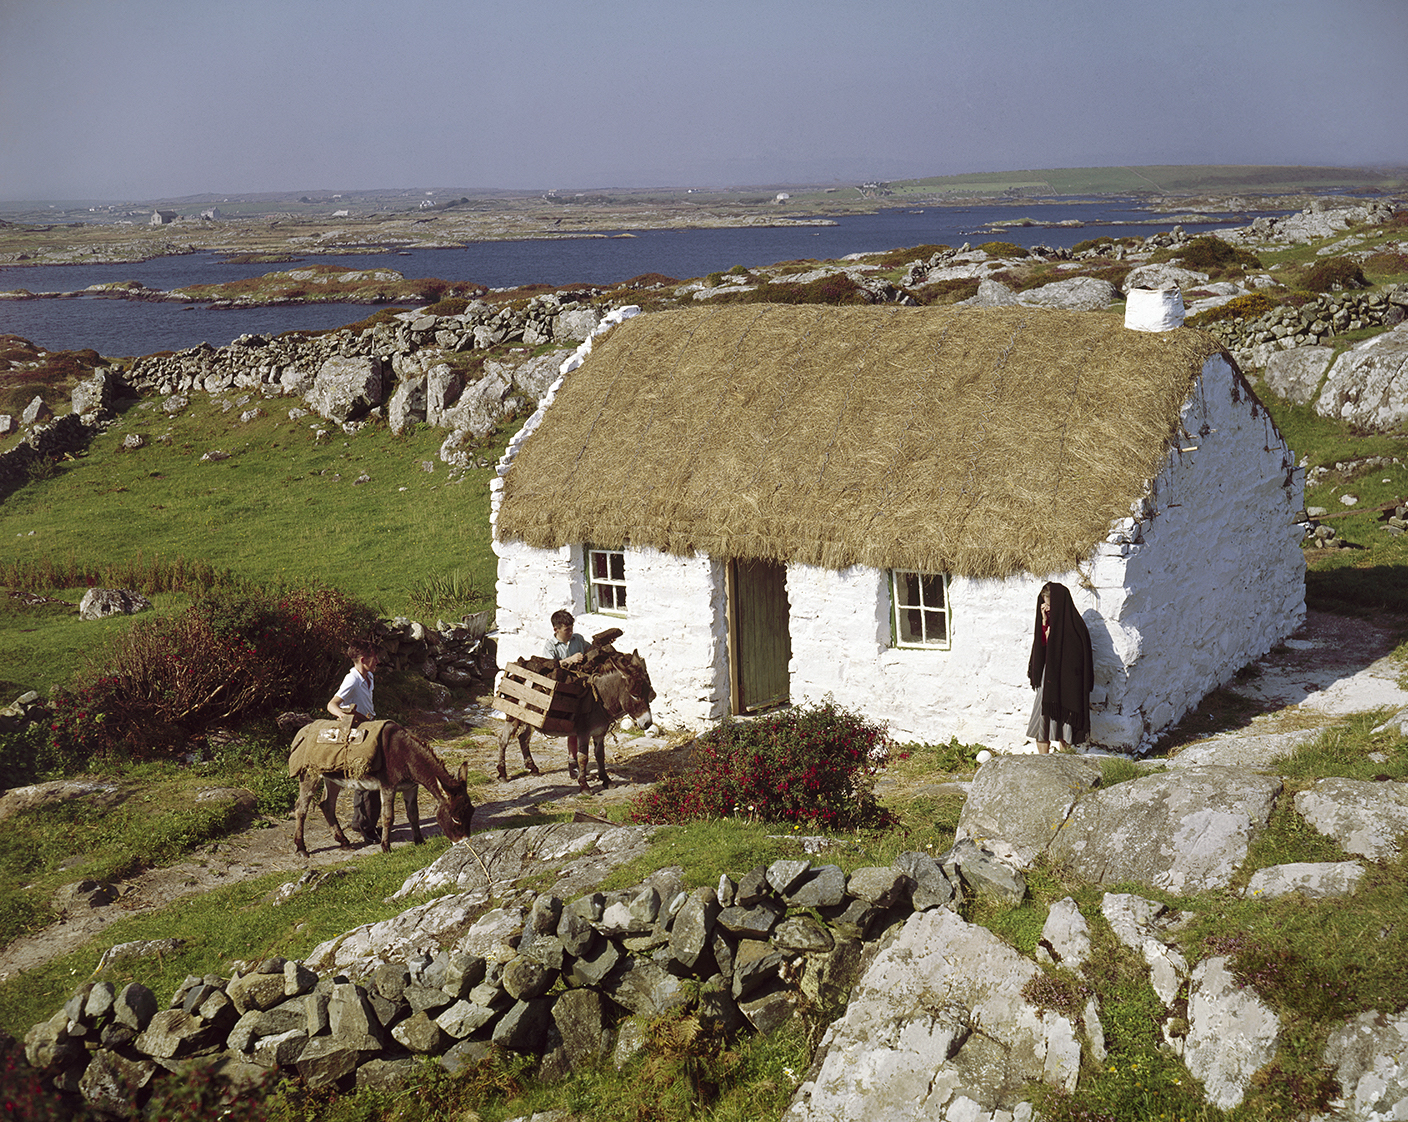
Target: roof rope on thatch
{"x":966,"y":441}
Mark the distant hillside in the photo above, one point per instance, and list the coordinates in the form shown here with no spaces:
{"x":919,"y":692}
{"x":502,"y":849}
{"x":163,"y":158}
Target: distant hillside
{"x":1159,"y":179}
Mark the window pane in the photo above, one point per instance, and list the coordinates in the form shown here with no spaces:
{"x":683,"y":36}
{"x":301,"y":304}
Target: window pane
{"x":935,"y":630}
{"x":910,"y":623}
{"x":618,"y":566}
{"x":621,"y":598}
{"x":910,"y":593}
{"x":933,"y":591}
{"x":599,"y":566}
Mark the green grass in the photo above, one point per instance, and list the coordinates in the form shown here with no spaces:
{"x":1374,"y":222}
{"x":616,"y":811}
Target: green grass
{"x":283,"y":510}
{"x":221,"y":927}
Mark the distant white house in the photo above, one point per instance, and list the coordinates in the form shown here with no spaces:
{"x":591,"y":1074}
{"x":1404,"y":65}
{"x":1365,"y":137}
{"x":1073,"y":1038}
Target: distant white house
{"x":786,"y":503}
{"x":162,"y":218}
{"x":782,"y":197}
{"x":341,"y":213}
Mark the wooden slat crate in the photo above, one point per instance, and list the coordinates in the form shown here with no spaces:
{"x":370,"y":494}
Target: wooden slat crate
{"x":538,"y":700}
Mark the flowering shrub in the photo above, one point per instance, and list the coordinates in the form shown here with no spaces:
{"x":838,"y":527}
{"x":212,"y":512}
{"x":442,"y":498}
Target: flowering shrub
{"x":227,"y":657}
{"x":803,"y":765}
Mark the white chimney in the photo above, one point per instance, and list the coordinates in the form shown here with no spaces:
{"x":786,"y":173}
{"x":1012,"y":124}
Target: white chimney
{"x":1154,"y":309}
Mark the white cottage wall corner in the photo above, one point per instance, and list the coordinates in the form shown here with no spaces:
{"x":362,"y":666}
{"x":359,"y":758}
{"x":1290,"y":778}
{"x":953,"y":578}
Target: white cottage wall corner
{"x":1204,"y":576}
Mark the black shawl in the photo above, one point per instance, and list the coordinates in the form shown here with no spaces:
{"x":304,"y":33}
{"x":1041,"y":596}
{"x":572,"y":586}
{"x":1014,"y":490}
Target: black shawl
{"x":1068,"y":663}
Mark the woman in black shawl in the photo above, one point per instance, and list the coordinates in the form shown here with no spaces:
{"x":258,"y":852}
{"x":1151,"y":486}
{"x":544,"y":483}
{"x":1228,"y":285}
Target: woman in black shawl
{"x":1061,"y":670}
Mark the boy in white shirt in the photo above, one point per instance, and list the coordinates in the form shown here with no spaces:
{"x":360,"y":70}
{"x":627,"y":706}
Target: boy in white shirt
{"x":354,"y":697}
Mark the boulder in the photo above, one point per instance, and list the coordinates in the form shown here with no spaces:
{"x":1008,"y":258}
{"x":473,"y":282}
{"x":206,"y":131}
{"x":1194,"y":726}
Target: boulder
{"x":346,"y":387}
{"x":1232,"y":1033}
{"x":1368,"y":384}
{"x":1366,"y":818}
{"x":575,"y":324}
{"x":937,"y":1023}
{"x":1016,"y":804}
{"x":693,"y":924}
{"x":1162,"y":276}
{"x":36,"y":412}
{"x":1317,"y":880}
{"x":1295,"y":374}
{"x":99,"y":603}
{"x":583,"y":1022}
{"x":1065,"y":937}
{"x":823,"y":887}
{"x":1075,"y":294}
{"x":1369,"y":1055}
{"x":407,"y":404}
{"x":992,"y":294}
{"x":95,"y":395}
{"x":1185,"y":832}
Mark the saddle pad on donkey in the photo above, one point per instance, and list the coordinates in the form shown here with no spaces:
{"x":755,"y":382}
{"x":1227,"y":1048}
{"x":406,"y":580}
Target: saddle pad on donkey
{"x":334,"y":746}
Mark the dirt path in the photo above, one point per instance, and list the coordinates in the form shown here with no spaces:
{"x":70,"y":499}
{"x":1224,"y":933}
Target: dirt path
{"x":1334,"y":667}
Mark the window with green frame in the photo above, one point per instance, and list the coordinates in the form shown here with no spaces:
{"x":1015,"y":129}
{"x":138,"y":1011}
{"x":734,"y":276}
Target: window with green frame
{"x":606,"y":581}
{"x":919,"y":609}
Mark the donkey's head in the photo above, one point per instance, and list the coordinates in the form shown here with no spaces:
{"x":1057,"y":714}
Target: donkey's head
{"x":625,"y":688}
{"x":455,"y":812}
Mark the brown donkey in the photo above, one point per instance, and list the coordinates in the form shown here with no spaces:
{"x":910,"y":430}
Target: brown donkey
{"x":406,"y":763}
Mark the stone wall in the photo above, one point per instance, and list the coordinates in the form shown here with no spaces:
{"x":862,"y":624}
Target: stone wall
{"x":1253,"y":341}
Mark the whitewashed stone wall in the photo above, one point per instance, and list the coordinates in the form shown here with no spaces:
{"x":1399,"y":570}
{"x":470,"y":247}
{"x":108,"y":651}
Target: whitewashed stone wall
{"x":1211,"y":577}
{"x":676,"y":619}
{"x":1205,"y":576}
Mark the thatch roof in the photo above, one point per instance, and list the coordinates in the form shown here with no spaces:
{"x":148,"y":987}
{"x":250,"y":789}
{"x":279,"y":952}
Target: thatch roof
{"x":975,"y":442}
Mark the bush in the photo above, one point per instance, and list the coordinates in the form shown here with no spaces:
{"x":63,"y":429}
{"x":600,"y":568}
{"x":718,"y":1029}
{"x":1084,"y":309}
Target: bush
{"x":1386,"y":264}
{"x":808,"y":766}
{"x":25,"y":756}
{"x":947,"y":291}
{"x":1334,"y":274}
{"x":450,"y":306}
{"x":228,"y":657}
{"x":1250,"y":306}
{"x":897,"y":257}
{"x":1003,"y":249}
{"x":1209,"y":252}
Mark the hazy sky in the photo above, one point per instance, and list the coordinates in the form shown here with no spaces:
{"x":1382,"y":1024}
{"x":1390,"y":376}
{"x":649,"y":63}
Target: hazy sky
{"x":143,"y":99}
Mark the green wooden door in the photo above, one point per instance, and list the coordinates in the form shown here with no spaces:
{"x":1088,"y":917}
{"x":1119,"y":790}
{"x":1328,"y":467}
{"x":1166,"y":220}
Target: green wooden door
{"x":759,"y":643}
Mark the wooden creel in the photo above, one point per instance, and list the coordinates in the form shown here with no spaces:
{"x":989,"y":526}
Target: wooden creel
{"x":538,"y":700}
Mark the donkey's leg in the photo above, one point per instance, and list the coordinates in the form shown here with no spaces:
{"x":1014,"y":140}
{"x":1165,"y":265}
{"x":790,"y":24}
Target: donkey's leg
{"x":388,"y":815}
{"x":599,"y":743}
{"x":411,"y":796}
{"x":329,"y":804}
{"x":583,"y":741}
{"x":307,"y":785}
{"x":525,"y":736}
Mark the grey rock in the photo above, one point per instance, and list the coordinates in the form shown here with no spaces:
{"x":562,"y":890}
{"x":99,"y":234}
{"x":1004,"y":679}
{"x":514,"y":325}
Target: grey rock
{"x":1369,"y":1055}
{"x":389,"y":980}
{"x":110,"y":1081}
{"x":424,"y":999}
{"x":591,"y":969}
{"x":99,"y":1003}
{"x":582,"y":1020}
{"x":256,"y":991}
{"x":648,"y":988}
{"x":1162,"y":276}
{"x":175,"y":1034}
{"x":851,"y":919}
{"x":48,"y":1046}
{"x":1231,"y":1033}
{"x":407,"y":404}
{"x":464,"y":1018}
{"x":693,"y":924}
{"x":351,"y":1018}
{"x":1065,"y":936}
{"x":1016,"y":804}
{"x":718,"y":1013}
{"x":981,"y":871}
{"x":1185,"y":832}
{"x":1075,"y":294}
{"x":386,"y":1075}
{"x":82,"y":895}
{"x":99,"y":603}
{"x":575,"y":324}
{"x":418,"y":1033}
{"x":992,"y":294}
{"x":931,"y":887}
{"x":752,"y":887}
{"x":881,"y":886}
{"x":1368,"y":384}
{"x":824,"y":887}
{"x":757,"y":920}
{"x":755,"y":963}
{"x":280,"y":1050}
{"x":1295,"y":374}
{"x":325,"y":1061}
{"x":802,"y":933}
{"x":346,"y":387}
{"x":464,"y":1054}
{"x":908,"y":1045}
{"x":298,"y":979}
{"x":462,"y":973}
{"x":1364,"y":817}
{"x":629,"y":912}
{"x":35,"y":412}
{"x":1317,"y":880}
{"x":135,"y":1006}
{"x":524,"y":1027}
{"x":785,"y":875}
{"x":443,"y":387}
{"x":524,"y":978}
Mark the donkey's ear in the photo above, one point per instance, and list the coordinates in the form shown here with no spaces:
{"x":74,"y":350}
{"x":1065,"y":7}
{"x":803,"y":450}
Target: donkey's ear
{"x":464,"y":773}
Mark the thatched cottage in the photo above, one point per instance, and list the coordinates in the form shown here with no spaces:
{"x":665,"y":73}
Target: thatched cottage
{"x":793,"y":502}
